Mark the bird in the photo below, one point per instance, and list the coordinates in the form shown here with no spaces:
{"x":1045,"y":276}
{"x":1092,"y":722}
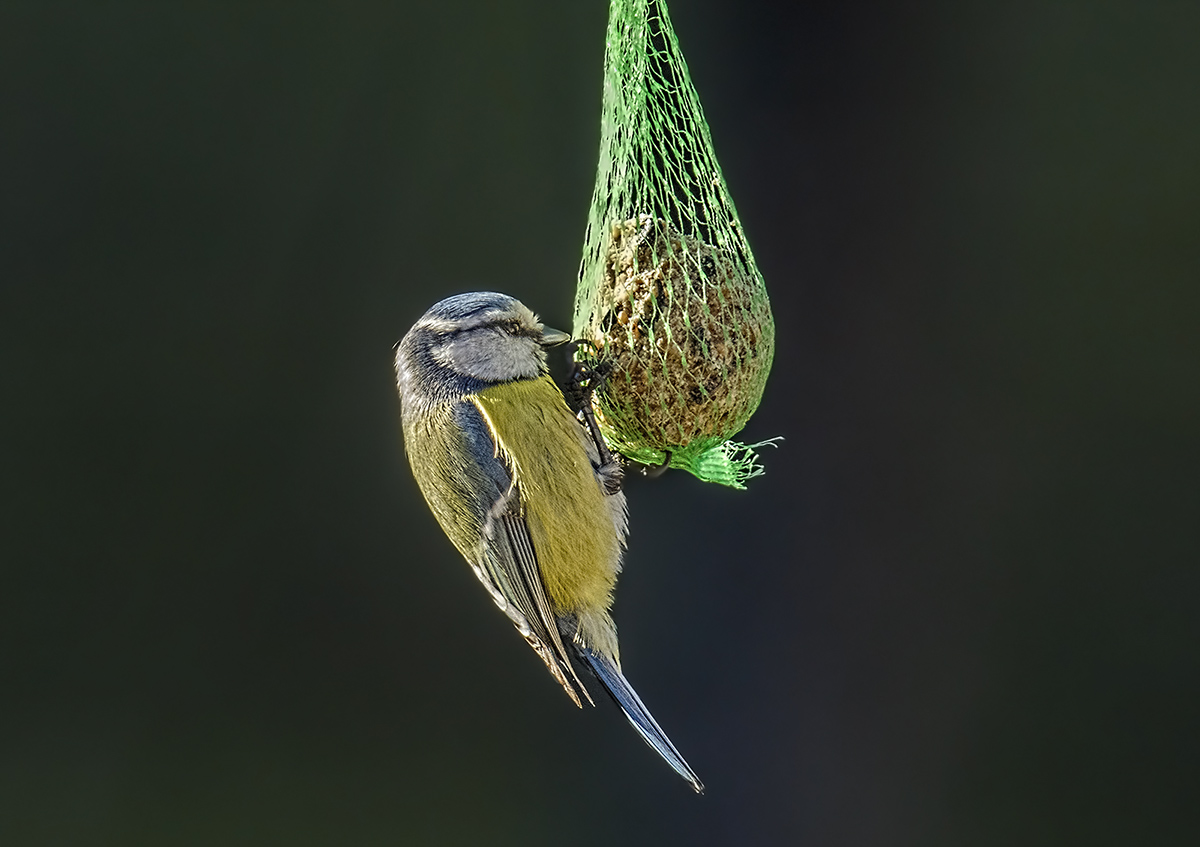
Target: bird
{"x":526,"y":492}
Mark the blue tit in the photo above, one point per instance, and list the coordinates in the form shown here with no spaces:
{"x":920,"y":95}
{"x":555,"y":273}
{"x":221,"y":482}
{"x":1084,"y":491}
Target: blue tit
{"x":518,"y":485}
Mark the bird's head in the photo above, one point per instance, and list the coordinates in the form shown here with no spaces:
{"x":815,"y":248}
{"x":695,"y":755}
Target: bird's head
{"x":482,"y":336}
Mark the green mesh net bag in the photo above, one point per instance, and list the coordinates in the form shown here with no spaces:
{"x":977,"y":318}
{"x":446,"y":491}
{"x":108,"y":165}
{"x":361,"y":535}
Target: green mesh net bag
{"x":669,"y":300}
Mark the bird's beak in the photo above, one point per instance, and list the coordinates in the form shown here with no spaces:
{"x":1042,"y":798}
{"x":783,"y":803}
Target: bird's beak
{"x":554,"y":337}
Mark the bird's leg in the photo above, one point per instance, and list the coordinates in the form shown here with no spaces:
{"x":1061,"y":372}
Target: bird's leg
{"x":584,"y":381}
{"x":581,"y":385}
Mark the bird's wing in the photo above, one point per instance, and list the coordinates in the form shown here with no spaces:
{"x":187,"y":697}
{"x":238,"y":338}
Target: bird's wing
{"x":506,"y":561}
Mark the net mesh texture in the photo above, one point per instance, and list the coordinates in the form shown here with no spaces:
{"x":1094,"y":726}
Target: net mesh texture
{"x":670,"y":307}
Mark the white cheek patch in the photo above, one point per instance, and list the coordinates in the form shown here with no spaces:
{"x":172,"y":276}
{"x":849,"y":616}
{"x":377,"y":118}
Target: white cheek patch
{"x":491,"y":356}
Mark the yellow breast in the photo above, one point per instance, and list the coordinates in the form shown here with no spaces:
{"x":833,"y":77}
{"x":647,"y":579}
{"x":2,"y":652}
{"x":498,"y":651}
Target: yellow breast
{"x":571,"y":524}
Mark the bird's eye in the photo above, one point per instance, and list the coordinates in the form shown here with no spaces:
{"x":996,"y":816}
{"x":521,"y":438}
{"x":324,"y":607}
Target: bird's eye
{"x":512,"y":327}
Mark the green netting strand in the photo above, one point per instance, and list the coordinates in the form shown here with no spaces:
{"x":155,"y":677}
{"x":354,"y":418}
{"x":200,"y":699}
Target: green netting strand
{"x":669,"y":300}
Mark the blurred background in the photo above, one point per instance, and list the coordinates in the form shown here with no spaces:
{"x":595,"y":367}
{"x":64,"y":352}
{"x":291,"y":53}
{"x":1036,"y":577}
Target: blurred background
{"x":960,"y":608}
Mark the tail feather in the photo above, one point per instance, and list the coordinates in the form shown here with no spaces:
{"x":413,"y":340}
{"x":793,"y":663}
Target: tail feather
{"x":636,"y":712}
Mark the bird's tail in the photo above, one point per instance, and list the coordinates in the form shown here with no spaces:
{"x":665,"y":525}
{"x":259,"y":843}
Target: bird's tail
{"x":610,"y":675}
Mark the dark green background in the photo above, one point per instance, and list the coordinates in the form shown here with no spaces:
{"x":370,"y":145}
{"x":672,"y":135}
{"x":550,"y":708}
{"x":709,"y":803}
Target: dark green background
{"x":959,"y":609}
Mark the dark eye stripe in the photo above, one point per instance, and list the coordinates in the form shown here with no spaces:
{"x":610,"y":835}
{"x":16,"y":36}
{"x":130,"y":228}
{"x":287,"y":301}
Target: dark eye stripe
{"x":511,"y":326}
{"x":516,"y":328}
